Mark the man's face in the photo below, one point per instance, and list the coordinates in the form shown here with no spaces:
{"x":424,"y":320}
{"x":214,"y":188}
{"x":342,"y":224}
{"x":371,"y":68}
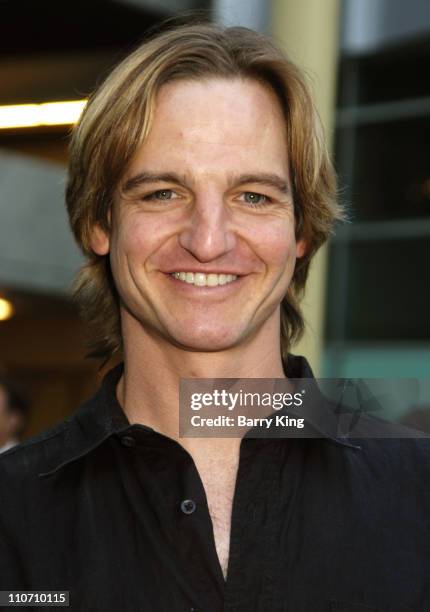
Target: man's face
{"x":207,"y":198}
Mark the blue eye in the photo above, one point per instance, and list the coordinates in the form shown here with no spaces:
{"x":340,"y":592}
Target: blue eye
{"x":161,"y":194}
{"x":255,"y":199}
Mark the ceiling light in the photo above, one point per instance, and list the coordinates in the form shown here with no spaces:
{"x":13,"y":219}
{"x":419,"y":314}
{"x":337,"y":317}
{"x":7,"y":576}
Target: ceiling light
{"x":6,"y":310}
{"x":34,"y":115}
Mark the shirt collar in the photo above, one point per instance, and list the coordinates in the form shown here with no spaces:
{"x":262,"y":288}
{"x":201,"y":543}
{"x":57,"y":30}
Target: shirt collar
{"x":96,"y":420}
{"x":102,"y":416}
{"x":320,"y":414}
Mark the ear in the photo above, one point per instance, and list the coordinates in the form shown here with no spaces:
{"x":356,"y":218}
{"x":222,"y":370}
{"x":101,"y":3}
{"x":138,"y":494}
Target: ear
{"x":301,"y":248}
{"x":99,"y":240}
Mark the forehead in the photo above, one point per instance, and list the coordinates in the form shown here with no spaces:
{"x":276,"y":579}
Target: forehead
{"x":215,"y":124}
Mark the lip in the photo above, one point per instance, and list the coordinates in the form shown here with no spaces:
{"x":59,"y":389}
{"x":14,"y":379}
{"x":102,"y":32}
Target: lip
{"x":206,"y":271}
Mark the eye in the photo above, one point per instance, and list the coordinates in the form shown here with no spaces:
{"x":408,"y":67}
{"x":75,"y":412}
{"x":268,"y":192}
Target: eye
{"x":255,"y":199}
{"x":161,"y":194}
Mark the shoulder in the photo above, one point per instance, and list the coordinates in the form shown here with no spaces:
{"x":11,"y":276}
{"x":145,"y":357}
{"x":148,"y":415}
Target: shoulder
{"x":379,"y":456}
{"x":401,"y":453}
{"x":35,"y":454}
{"x":392,"y":456}
{"x":52,"y":447}
{"x":21,"y":487}
{"x":96,"y":419}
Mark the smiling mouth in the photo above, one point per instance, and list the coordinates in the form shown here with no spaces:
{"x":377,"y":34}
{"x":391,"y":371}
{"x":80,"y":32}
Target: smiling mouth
{"x":199,"y":279}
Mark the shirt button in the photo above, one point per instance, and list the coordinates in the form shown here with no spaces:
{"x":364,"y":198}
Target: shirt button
{"x":128,"y":441}
{"x":188,"y":506}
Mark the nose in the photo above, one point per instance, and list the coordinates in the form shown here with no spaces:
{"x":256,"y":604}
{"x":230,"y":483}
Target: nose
{"x":208,"y":233}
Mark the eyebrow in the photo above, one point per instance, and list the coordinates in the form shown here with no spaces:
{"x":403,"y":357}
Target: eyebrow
{"x":147,"y":177}
{"x":267,"y":179}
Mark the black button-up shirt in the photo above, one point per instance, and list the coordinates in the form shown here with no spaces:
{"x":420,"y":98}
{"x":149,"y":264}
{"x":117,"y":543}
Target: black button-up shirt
{"x":117,"y":515}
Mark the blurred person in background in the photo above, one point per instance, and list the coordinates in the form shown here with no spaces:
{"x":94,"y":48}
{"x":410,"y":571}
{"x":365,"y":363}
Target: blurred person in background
{"x":13,"y":413}
{"x":200,"y":189}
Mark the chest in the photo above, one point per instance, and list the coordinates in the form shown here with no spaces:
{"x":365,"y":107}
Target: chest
{"x":219,"y":485}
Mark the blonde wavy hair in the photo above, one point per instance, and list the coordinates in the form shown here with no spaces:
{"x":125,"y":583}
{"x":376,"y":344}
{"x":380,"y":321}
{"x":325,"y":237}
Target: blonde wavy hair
{"x":117,"y":119}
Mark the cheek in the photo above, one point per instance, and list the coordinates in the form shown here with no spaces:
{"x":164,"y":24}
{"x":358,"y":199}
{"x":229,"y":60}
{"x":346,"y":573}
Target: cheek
{"x":136,"y":238}
{"x":276,"y":244}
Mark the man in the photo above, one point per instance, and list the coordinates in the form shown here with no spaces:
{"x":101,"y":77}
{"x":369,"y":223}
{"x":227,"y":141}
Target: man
{"x":199,"y":189}
{"x":13,"y":414}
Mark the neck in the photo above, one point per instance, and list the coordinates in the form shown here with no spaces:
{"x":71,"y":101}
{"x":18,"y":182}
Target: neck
{"x":149,"y":388}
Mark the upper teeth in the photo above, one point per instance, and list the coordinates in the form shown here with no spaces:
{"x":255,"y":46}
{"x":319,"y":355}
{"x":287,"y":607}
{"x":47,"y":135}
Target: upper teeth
{"x":204,"y":280}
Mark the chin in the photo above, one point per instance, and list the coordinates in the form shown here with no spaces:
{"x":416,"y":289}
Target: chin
{"x":206,"y":340}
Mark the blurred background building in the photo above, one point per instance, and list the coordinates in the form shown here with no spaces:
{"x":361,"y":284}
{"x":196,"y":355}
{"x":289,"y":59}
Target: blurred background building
{"x":368,"y":301}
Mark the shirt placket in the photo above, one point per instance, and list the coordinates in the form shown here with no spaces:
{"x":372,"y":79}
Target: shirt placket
{"x":252,"y":540}
{"x":184,"y":516}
